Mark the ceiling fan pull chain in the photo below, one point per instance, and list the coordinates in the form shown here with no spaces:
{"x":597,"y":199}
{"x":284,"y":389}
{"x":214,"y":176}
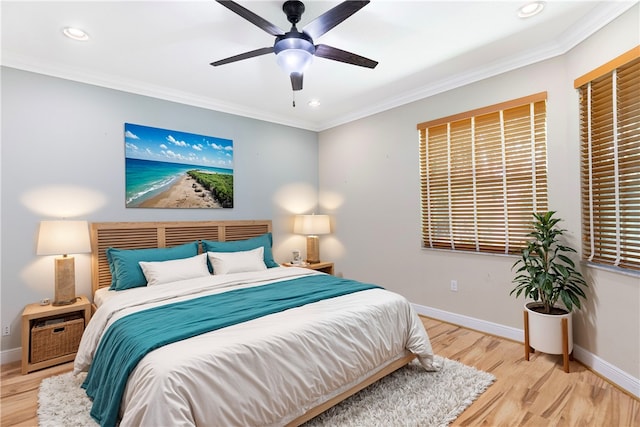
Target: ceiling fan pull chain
{"x":293,"y":96}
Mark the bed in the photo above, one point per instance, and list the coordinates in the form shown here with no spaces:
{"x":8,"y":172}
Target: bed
{"x":272,"y":364}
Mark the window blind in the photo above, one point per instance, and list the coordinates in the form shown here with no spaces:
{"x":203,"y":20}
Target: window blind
{"x":483,"y":173}
{"x":610,"y":162}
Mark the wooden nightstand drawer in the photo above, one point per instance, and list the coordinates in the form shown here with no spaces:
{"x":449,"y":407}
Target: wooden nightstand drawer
{"x":55,"y":337}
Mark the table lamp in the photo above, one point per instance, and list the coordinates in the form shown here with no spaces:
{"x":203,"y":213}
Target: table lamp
{"x":63,"y":238}
{"x":312,"y":226}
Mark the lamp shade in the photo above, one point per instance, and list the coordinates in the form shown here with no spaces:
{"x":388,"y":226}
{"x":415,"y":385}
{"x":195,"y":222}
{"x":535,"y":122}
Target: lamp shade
{"x":311,"y":225}
{"x":63,"y":237}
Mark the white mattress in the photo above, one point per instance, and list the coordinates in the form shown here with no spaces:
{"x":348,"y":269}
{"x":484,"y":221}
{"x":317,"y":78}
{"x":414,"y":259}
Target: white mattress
{"x":102,"y":295}
{"x":267,"y":371}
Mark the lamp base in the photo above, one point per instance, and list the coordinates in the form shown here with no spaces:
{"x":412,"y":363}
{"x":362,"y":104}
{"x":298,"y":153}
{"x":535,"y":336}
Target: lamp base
{"x":65,"y":291}
{"x":313,"y":249}
{"x":67,"y":302}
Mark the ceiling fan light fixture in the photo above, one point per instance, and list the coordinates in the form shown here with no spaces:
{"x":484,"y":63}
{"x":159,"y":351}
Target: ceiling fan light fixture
{"x":294,"y":60}
{"x":294,"y":52}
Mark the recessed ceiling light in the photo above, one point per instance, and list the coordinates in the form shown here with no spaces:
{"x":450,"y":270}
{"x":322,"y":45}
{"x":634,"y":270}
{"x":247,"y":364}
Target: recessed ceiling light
{"x":75,"y":33}
{"x":314,"y":103}
{"x":530,"y":9}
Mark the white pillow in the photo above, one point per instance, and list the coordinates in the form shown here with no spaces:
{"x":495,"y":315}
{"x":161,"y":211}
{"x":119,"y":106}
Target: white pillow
{"x":159,"y":272}
{"x":237,"y":262}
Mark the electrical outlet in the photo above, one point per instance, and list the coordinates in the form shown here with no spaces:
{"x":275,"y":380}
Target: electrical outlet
{"x":454,"y":286}
{"x":6,"y":330}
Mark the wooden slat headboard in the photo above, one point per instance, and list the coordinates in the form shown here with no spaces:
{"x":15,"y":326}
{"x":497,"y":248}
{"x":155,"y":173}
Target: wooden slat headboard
{"x":141,"y":235}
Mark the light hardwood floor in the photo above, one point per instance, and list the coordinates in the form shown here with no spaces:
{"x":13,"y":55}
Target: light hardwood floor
{"x":533,"y":393}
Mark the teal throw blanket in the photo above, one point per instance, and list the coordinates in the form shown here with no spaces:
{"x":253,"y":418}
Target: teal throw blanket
{"x":129,"y":339}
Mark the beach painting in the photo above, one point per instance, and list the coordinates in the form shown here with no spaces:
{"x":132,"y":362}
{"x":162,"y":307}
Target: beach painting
{"x":172,"y":169}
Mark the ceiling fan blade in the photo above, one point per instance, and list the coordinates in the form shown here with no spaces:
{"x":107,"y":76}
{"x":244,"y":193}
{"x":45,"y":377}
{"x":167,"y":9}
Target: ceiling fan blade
{"x":296,"y":81}
{"x":332,"y":17}
{"x":328,"y":52}
{"x":246,"y":55}
{"x":267,"y":26}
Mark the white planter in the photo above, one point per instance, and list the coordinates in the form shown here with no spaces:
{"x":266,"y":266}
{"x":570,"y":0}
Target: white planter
{"x":545,"y":331}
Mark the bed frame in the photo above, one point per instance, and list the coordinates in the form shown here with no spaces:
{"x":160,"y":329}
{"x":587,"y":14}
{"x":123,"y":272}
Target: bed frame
{"x":142,"y":235}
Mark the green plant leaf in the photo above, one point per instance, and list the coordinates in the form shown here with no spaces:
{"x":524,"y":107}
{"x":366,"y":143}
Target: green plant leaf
{"x":543,"y":272}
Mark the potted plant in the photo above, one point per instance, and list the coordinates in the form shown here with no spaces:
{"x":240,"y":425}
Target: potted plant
{"x":546,"y":274}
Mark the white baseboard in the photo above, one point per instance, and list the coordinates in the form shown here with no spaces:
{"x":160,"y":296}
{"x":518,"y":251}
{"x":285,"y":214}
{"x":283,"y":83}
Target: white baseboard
{"x":11,"y":355}
{"x":612,"y":373}
{"x":472,"y":323}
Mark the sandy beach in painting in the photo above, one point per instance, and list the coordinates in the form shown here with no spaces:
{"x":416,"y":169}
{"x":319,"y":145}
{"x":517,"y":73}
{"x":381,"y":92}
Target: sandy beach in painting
{"x":185,"y":193}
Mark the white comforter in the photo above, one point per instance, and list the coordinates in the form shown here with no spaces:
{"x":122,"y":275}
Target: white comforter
{"x":267,"y":371}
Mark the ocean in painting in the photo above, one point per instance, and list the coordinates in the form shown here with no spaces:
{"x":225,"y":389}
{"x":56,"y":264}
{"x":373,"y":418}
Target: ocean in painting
{"x":147,"y":178}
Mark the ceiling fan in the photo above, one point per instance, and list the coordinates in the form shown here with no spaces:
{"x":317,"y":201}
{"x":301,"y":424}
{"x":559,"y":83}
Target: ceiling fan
{"x":295,"y":49}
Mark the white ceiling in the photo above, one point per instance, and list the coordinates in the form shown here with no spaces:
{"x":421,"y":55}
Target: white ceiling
{"x":163,"y":49}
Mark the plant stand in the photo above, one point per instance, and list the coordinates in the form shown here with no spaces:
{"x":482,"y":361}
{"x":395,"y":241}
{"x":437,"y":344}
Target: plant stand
{"x":566,"y":356}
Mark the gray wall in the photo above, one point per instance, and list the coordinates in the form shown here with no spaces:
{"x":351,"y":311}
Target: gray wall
{"x":63,"y":156}
{"x":369,"y":182}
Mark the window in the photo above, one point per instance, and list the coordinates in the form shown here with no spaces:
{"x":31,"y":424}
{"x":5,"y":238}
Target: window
{"x":610,"y":164}
{"x":483,"y":173}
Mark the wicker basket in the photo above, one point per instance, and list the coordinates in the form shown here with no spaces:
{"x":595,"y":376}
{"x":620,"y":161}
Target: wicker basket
{"x":53,"y":338}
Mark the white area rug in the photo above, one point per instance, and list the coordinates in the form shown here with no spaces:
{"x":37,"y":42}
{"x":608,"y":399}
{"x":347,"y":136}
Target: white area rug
{"x":408,"y":397}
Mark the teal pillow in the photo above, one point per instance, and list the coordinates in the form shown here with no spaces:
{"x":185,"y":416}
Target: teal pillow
{"x":125,"y":270}
{"x":265,"y":240}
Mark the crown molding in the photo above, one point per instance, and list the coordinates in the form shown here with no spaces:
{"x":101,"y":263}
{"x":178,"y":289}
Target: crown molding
{"x":142,"y":88}
{"x":594,"y":21}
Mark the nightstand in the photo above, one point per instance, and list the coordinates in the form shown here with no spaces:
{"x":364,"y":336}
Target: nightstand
{"x":51,"y":334}
{"x":325,"y":267}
